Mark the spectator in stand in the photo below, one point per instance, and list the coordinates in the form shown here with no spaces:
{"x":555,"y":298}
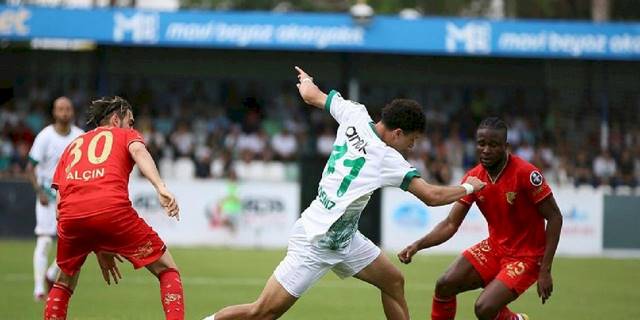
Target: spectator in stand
{"x":285,"y":145}
{"x":525,"y":151}
{"x":324,"y":143}
{"x":604,"y":169}
{"x":202,"y":161}
{"x":154,"y":140}
{"x":182,"y":141}
{"x":627,"y":169}
{"x":252,"y":143}
{"x":582,"y":173}
{"x":20,"y":159}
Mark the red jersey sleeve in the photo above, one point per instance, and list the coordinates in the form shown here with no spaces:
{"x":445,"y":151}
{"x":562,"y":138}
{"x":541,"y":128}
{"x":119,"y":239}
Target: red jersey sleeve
{"x":131,"y":135}
{"x":470,"y":198}
{"x":534,"y":184}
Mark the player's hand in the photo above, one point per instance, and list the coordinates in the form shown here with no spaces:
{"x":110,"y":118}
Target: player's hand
{"x":169,"y":203}
{"x":43,"y":197}
{"x":308,"y":90}
{"x":108,"y":266}
{"x":407,"y":253}
{"x":545,"y":285}
{"x":475,"y":182}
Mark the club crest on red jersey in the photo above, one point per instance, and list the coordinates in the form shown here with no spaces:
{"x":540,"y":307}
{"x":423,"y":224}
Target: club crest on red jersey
{"x":511,"y":197}
{"x":536,"y":178}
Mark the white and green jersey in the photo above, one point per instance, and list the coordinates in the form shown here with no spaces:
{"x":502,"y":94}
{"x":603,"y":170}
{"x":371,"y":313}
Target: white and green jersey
{"x":359,"y":164}
{"x":46,"y":151}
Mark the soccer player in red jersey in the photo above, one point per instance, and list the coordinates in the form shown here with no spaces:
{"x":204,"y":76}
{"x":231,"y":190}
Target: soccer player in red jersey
{"x":519,"y":251}
{"x":95,"y":214}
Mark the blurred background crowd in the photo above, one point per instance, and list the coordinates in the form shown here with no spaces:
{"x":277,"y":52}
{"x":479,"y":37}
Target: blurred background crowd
{"x":228,"y":128}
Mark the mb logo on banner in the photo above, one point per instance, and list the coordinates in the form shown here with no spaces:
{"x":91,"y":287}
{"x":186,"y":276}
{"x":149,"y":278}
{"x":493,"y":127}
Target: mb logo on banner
{"x":139,"y":27}
{"x":472,"y":37}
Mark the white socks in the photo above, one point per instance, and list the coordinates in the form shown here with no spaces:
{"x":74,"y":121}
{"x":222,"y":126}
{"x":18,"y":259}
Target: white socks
{"x":211,"y":317}
{"x":40,"y":261}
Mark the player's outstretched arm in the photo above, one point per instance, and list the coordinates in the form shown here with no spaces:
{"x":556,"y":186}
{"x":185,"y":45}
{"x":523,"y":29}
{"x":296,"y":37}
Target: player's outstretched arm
{"x":147,"y":166}
{"x":550,"y":211}
{"x":441,"y":233}
{"x":433,"y":195}
{"x":40,"y":193}
{"x":309,"y":92}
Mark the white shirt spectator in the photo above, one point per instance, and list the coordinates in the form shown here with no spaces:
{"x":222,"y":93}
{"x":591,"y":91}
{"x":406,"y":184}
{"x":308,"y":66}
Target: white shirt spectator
{"x":284,"y":144}
{"x":183,"y":141}
{"x":252,"y":142}
{"x":604,"y":166}
{"x":525,"y":152}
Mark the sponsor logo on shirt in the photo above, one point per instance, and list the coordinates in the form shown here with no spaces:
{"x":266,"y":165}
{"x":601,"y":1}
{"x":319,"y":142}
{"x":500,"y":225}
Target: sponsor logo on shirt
{"x":356,"y":141}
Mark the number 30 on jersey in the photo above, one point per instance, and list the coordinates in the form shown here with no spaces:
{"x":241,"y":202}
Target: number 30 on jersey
{"x":76,"y":152}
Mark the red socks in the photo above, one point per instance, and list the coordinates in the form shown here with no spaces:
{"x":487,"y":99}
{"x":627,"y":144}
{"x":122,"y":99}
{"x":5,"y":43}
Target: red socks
{"x":506,"y":314}
{"x":171,"y":294}
{"x":443,"y":309}
{"x":57,"y":302}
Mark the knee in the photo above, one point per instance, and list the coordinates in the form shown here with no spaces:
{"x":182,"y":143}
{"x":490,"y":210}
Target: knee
{"x":445,"y":286}
{"x":484,"y":310}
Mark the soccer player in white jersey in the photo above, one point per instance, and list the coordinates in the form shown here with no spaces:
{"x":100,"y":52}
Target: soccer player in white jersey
{"x":44,"y":155}
{"x":365,"y":157}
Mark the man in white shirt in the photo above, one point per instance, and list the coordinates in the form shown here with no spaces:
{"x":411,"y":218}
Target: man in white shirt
{"x":44,"y":155}
{"x":366,"y":156}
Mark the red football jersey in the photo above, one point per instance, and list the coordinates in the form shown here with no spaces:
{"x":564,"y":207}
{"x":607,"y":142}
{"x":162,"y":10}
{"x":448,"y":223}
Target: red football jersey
{"x":510,"y":206}
{"x":92,"y":175}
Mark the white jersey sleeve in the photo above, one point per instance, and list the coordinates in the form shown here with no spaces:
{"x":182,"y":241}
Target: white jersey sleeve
{"x":36,"y":154}
{"x":395,"y":171}
{"x":344,"y":110}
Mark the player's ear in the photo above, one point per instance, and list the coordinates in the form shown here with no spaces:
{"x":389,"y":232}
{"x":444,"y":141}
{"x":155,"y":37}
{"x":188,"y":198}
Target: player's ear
{"x":115,"y":120}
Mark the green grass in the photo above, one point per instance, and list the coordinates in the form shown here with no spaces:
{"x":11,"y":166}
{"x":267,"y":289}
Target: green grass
{"x":585,"y":289}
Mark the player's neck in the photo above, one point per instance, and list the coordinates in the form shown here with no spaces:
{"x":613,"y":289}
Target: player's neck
{"x":62,"y":129}
{"x":495,"y":171}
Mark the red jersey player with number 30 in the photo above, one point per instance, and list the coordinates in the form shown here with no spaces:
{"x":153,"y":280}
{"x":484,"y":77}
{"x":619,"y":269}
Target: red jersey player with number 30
{"x":519,"y":251}
{"x":95,"y":214}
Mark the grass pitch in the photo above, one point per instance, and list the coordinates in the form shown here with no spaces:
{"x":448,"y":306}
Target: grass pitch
{"x":585,"y":289}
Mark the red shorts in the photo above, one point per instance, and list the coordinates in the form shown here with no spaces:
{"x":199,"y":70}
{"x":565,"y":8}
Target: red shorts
{"x":124,"y":233}
{"x":517,"y":273}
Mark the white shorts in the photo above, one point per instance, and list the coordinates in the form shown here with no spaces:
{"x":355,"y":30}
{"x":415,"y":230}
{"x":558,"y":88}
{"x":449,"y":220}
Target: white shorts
{"x":306,"y":262}
{"x":46,"y":219}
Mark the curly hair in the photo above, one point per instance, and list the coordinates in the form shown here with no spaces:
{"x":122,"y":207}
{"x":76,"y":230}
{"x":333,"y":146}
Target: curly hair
{"x":405,"y":114}
{"x":101,"y":110}
{"x":494,"y":123}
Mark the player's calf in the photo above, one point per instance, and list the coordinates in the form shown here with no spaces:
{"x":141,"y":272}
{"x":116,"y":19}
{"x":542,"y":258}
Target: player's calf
{"x":172,"y":294}
{"x":57,"y":302}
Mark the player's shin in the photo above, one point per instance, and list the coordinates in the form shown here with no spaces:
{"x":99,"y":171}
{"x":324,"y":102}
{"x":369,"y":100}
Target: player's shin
{"x":443,"y":308}
{"x":57,"y":302}
{"x":171,"y":294}
{"x":40,"y":257}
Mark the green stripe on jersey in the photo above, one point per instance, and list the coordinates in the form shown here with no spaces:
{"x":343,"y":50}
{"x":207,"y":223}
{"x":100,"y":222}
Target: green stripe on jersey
{"x":407,"y":179}
{"x":327,"y":103}
{"x":33,"y":161}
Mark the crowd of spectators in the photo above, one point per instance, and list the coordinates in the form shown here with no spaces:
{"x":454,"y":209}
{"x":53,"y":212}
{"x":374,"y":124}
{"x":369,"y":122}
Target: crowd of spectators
{"x":246,"y":132}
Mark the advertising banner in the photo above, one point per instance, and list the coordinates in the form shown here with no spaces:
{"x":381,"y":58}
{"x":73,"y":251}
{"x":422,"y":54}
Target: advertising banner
{"x":405,"y":219}
{"x":323,"y":31}
{"x":247,"y":214}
